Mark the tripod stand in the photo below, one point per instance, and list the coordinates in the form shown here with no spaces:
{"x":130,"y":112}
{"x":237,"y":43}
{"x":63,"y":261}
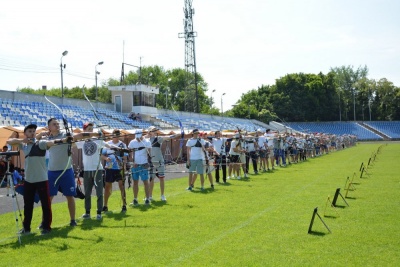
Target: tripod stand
{"x":11,"y":189}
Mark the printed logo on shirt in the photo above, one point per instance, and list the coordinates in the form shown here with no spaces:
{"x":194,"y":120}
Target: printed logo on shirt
{"x":89,"y":148}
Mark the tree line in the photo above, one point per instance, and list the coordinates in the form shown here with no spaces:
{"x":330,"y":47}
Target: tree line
{"x":344,"y":94}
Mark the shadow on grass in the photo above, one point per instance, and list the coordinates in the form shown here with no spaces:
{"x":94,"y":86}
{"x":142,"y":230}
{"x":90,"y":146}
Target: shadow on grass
{"x":155,"y":204}
{"x":158,"y":203}
{"x":243,"y":179}
{"x":118,"y":216}
{"x":316,"y":233}
{"x":36,"y":238}
{"x":331,"y":216}
{"x":204,"y":191}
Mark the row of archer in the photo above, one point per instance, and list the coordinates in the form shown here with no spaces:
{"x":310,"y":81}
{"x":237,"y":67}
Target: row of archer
{"x":148,"y":161}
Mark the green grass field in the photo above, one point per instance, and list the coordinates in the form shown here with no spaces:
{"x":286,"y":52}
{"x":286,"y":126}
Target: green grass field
{"x":261,"y":221}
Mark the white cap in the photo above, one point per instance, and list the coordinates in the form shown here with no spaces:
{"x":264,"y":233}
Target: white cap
{"x":138,"y":133}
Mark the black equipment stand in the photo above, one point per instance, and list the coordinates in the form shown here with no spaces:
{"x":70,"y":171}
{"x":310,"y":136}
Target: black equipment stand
{"x":11,"y":189}
{"x":312,"y":221}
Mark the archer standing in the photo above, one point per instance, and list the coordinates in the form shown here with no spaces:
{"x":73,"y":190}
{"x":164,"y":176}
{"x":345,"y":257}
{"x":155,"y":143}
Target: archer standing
{"x":114,"y":156}
{"x":235,"y":152}
{"x":157,"y":160}
{"x":251,"y":147}
{"x":141,"y":162}
{"x":208,"y":149}
{"x":262,"y":150}
{"x":195,"y":149}
{"x":60,"y":173}
{"x":36,"y":180}
{"x":220,"y":155}
{"x":93,"y":169}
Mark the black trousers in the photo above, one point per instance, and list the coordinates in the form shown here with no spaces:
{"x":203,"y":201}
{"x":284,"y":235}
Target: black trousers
{"x":42,"y":188}
{"x":253,"y":156}
{"x":220,"y":164}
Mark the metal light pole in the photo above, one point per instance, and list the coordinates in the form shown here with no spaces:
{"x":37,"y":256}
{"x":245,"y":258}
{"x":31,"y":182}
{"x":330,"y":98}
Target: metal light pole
{"x":166,"y":95}
{"x":61,"y":68}
{"x":354,"y":102}
{"x":222,"y":109}
{"x":340,"y":109}
{"x":369,"y":107}
{"x":248,"y":110}
{"x":166,"y":98}
{"x":96,"y":73}
{"x":363,"y":111}
{"x":212,"y":98}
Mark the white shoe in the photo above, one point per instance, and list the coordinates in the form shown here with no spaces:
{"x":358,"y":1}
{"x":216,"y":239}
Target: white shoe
{"x":98,"y":217}
{"x":228,"y":177}
{"x":150,"y":198}
{"x":238,"y":177}
{"x":163,"y":198}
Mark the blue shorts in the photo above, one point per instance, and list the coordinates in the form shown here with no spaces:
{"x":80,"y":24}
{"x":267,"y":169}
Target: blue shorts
{"x":66,"y":182}
{"x":196,"y":166}
{"x":140,"y":171}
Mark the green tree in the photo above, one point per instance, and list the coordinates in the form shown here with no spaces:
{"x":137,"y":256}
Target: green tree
{"x":346,"y":80}
{"x":387,"y":100}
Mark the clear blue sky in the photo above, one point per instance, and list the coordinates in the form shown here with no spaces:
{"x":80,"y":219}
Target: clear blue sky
{"x":241,"y":44}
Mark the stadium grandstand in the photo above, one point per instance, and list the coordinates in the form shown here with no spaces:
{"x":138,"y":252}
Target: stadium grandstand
{"x":19,"y":109}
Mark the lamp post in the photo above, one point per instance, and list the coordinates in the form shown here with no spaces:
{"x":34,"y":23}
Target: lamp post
{"x":251,"y":102}
{"x":363,"y":111}
{"x":222,"y":109}
{"x":61,"y":68}
{"x":369,"y":107}
{"x":97,"y":73}
{"x":369,"y":99}
{"x":212,"y":98}
{"x":166,"y":95}
{"x":340,"y":109}
{"x":354,"y":102}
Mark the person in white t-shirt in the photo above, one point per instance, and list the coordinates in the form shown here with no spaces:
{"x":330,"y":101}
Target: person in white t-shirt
{"x":141,"y":154}
{"x":235,"y":153}
{"x":262,"y":150}
{"x":219,"y":143}
{"x":208,"y":161}
{"x":157,"y":160}
{"x":93,"y":170}
{"x":270,"y":143}
{"x":195,"y":150}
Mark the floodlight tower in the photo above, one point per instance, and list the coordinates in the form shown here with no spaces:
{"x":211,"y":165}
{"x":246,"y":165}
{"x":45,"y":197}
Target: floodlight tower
{"x":191,"y":91}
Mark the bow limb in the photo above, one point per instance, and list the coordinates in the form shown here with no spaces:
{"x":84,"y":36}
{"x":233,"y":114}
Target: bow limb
{"x":90,"y":103}
{"x":99,"y":125}
{"x":65,"y":169}
{"x":97,"y":168}
{"x":182,"y":134}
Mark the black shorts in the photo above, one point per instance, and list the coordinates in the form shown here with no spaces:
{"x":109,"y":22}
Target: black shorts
{"x":113,"y":176}
{"x":263,"y":154}
{"x":235,"y":158}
